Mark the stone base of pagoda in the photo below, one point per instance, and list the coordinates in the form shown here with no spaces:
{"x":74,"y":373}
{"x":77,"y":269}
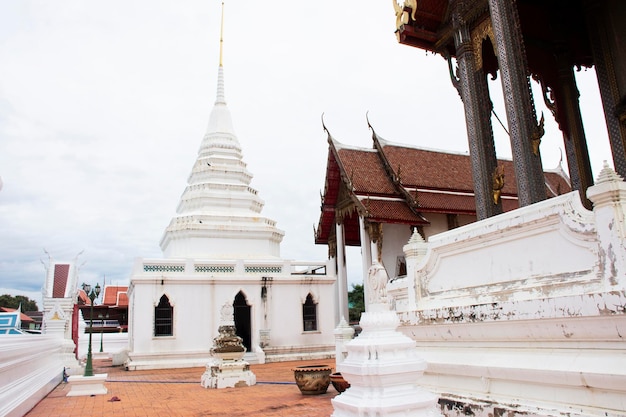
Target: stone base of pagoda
{"x":382,"y":368}
{"x":228,"y":374}
{"x":86,"y":385}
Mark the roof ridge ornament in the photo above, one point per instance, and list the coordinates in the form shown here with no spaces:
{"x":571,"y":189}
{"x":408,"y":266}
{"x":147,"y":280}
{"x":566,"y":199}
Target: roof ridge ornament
{"x":402,"y":12}
{"x":369,"y":125}
{"x":323,"y":125}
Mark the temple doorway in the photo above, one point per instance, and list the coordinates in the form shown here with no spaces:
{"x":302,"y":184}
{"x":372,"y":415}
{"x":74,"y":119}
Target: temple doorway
{"x":242,"y":320}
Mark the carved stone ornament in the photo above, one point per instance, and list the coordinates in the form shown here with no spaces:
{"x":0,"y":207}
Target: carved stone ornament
{"x":377,"y":284}
{"x":228,"y":342}
{"x":55,"y":313}
{"x":227,"y":314}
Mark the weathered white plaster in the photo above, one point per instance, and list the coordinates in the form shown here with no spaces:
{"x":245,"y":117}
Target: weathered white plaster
{"x":523,"y":313}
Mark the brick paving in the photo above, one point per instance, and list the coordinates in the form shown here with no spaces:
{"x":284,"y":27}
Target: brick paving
{"x":177,"y":392}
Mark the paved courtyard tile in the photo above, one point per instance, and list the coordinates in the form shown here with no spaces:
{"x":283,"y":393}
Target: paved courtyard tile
{"x":178,"y":393}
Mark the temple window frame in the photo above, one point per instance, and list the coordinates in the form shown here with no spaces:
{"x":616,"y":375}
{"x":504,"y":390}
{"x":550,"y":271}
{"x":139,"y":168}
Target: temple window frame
{"x":309,"y":314}
{"x":163,"y":318}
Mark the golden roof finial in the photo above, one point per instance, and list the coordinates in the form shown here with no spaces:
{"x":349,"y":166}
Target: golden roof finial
{"x":222,"y":35}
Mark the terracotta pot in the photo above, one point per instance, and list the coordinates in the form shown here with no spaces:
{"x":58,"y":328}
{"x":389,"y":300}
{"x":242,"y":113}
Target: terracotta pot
{"x":338,"y":382}
{"x":312,"y":379}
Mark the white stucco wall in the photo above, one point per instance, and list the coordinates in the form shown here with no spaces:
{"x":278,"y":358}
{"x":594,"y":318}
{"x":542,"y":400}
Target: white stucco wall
{"x":395,"y":237}
{"x":523,"y":313}
{"x":197,"y":299}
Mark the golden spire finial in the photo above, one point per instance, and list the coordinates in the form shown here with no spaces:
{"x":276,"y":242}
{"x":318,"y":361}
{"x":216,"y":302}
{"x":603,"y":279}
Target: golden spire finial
{"x":222,"y":34}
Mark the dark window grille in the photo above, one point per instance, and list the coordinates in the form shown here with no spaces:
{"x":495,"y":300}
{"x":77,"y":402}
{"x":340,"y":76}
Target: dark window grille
{"x":309,"y":314}
{"x":163,"y":318}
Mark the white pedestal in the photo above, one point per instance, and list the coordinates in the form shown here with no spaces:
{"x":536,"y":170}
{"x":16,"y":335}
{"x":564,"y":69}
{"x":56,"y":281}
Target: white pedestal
{"x":228,"y":374}
{"x":87,"y":385}
{"x":383,"y":368}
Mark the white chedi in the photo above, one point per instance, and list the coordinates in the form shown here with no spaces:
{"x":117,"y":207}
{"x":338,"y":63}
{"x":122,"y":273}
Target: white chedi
{"x":382,"y":366}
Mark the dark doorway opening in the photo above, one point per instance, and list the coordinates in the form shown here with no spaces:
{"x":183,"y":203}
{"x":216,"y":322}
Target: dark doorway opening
{"x":242,"y":320}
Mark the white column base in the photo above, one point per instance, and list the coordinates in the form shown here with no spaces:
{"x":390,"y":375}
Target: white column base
{"x":87,"y":385}
{"x":383,"y":368}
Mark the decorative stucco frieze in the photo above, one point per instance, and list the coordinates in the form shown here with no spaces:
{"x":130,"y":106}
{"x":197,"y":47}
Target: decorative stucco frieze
{"x":163,"y":268}
{"x":215,"y":269}
{"x":263,"y":269}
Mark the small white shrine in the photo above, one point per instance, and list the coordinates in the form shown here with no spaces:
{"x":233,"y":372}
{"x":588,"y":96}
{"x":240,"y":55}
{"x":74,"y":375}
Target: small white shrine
{"x":227,"y":369}
{"x":382,"y":366}
{"x":219,"y":249}
{"x":59,"y":296}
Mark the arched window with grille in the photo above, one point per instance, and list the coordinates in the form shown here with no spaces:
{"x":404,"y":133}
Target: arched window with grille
{"x":164,"y":318}
{"x":309,"y":314}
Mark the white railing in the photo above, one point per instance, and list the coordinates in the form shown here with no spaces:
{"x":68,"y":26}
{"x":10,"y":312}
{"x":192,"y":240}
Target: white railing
{"x":30,"y":367}
{"x":159,"y":267}
{"x":524,"y":311}
{"x":112,"y":344}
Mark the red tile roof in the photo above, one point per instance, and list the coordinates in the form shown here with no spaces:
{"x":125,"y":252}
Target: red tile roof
{"x":556,"y":183}
{"x":394,"y":183}
{"x":386,"y":211}
{"x":23,"y":317}
{"x":115,"y":296}
{"x":83,"y":298}
{"x":61,"y":275}
{"x":365,"y":171}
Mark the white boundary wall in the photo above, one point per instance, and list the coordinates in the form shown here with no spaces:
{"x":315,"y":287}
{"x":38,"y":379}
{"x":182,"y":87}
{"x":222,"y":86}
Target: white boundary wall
{"x":524,"y":313}
{"x":30,"y":367}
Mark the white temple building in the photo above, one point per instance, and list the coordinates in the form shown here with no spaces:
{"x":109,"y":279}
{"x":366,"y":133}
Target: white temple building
{"x":217,"y":249}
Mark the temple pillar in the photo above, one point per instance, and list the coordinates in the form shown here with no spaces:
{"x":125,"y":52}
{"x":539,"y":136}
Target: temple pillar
{"x":366,"y":252}
{"x":472,"y":86}
{"x":524,"y":132}
{"x":342,"y":275}
{"x":573,"y":131}
{"x":604,"y":49}
{"x":375,"y":232}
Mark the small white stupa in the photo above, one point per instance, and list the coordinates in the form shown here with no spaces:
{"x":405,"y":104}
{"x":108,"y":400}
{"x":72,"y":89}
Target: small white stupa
{"x":383,"y":367}
{"x":219,"y":213}
{"x":217,"y":249}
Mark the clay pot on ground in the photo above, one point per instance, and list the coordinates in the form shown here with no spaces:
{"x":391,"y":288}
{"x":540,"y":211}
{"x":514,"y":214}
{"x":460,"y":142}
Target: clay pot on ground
{"x":312,"y":379}
{"x":338,"y":382}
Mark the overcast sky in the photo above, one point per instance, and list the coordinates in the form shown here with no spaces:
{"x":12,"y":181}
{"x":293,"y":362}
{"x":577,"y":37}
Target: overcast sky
{"x":103,"y":105}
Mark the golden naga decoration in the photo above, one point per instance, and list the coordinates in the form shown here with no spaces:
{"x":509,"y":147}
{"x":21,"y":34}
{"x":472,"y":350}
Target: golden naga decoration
{"x":537,"y":134}
{"x":498,"y":183}
{"x":402,"y":16}
{"x":375,"y":231}
{"x":332,"y":247}
{"x":484,"y":30}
